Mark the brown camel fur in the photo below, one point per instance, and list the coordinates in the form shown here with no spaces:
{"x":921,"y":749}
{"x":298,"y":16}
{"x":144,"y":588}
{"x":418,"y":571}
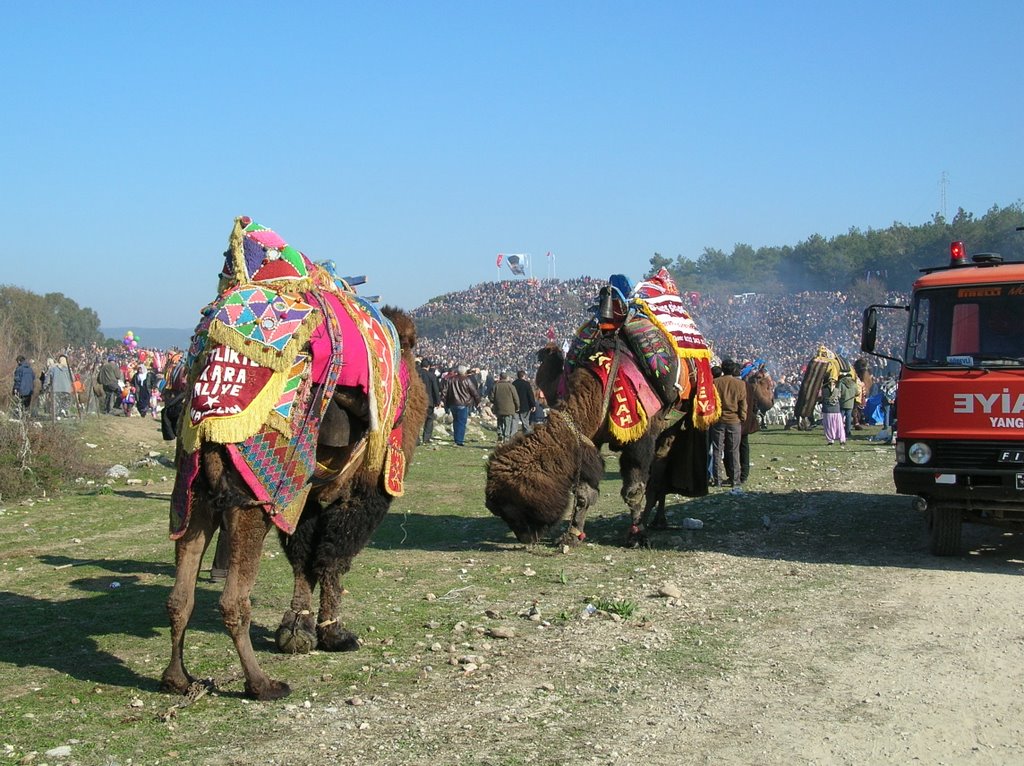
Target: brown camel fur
{"x":863,"y":372}
{"x":763,"y":389}
{"x":337,"y":521}
{"x":532,"y":478}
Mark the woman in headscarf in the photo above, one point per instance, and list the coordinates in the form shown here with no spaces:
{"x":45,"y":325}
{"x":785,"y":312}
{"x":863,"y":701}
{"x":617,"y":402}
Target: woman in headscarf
{"x":140,"y":380}
{"x":831,"y":413}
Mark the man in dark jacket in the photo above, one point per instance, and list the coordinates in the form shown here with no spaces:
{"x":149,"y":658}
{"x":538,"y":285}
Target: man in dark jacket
{"x":109,"y":376}
{"x":433,"y":399}
{"x":506,"y":405}
{"x":24,"y":382}
{"x":527,"y":402}
{"x":460,"y":393}
{"x":727,"y":432}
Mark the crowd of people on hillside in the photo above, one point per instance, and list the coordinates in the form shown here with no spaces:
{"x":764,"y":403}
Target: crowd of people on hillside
{"x":518,"y":317}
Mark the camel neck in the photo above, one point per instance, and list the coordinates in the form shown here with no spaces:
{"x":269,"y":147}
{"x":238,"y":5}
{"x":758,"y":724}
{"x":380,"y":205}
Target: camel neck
{"x":585,"y":403}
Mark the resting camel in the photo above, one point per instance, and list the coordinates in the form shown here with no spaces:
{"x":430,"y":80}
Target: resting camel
{"x":331,"y":454}
{"x":535,"y":479}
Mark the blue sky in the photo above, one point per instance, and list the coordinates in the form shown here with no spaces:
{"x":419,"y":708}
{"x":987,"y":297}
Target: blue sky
{"x":414,"y":141}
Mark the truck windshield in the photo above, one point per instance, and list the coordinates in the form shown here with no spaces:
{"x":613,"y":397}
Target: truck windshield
{"x":976,"y":325}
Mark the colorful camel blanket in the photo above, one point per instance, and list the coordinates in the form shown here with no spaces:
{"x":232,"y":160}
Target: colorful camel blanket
{"x":263,"y":365}
{"x":632,"y":401}
{"x":668,"y":353}
{"x":658,"y":299}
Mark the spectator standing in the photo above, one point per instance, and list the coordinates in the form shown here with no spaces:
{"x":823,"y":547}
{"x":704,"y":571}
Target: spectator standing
{"x":727,"y":432}
{"x":527,"y":402}
{"x":143,"y":393}
{"x":848,"y":394}
{"x":433,"y":400}
{"x":58,"y":383}
{"x":460,"y":393}
{"x":888,"y":388}
{"x":539,"y":413}
{"x":831,"y":413}
{"x":505,"y":398}
{"x":24,"y":384}
{"x":751,"y":424}
{"x":109,"y":377}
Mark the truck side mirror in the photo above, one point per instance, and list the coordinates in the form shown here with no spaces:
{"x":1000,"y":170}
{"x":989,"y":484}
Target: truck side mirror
{"x":869,"y":330}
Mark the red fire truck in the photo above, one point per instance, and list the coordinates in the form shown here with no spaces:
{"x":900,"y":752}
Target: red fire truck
{"x":960,"y":401}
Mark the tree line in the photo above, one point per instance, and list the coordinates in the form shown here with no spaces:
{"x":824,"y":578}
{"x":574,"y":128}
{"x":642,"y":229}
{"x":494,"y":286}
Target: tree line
{"x":37,"y":325}
{"x":864,"y":263}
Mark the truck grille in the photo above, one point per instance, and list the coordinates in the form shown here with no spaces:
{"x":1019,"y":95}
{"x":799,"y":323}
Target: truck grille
{"x":972,"y":454}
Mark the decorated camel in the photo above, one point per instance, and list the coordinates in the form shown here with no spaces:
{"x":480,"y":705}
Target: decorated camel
{"x":824,"y":365}
{"x":636,"y":377}
{"x":297,"y":401}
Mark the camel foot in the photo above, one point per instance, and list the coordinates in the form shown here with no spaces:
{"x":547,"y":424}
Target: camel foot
{"x":637,"y":538}
{"x":175,"y":681}
{"x":568,"y":539}
{"x":334,"y":638}
{"x":268,"y":690}
{"x":660,"y":522}
{"x":297,"y":633}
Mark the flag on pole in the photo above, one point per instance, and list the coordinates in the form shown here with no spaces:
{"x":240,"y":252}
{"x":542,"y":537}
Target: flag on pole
{"x":500,"y":256}
{"x":549,"y":254}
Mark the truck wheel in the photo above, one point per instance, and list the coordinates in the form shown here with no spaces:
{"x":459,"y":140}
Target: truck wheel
{"x":944,"y":527}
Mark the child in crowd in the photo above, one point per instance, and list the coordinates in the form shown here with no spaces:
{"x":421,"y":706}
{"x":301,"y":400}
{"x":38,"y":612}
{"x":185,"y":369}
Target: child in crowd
{"x":128,"y":400}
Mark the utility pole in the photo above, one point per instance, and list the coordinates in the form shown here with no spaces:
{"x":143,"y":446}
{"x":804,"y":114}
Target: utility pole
{"x":943,"y":183}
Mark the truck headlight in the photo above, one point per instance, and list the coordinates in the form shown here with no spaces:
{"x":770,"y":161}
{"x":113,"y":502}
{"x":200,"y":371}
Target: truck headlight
{"x":919,"y":453}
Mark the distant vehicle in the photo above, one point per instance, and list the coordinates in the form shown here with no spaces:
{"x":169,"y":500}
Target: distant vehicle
{"x":960,"y":400}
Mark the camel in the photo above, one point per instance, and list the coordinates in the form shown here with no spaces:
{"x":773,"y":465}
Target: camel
{"x":533,"y":479}
{"x":341,"y":457}
{"x":763,"y":389}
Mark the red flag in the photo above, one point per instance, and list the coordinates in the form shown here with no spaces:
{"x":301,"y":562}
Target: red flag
{"x":500,"y":257}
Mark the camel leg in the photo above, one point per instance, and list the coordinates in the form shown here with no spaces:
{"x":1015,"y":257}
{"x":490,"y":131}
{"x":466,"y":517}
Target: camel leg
{"x":297,"y":632}
{"x":584,"y":497}
{"x":247,"y":528}
{"x":348,"y":527}
{"x":332,"y":636}
{"x":188,"y":555}
{"x":635,"y":467}
{"x":660,"y":517}
{"x":634,"y":495}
